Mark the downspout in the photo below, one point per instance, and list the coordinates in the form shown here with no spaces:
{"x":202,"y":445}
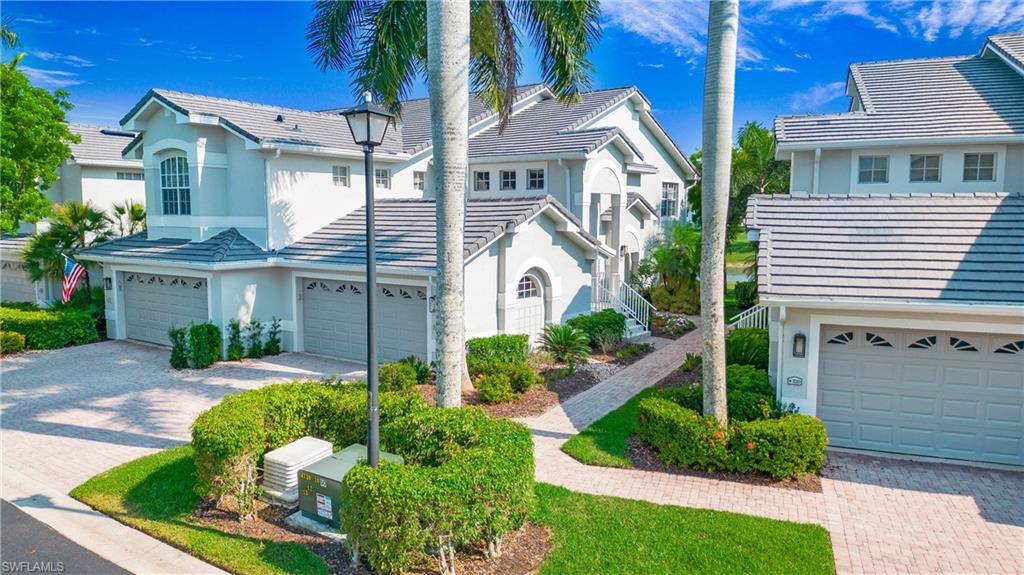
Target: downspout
{"x":781,"y":362}
{"x":817,"y":166}
{"x":568,"y":188}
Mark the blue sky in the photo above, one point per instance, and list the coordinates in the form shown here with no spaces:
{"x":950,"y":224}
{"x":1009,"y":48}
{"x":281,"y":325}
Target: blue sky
{"x":793,"y":54}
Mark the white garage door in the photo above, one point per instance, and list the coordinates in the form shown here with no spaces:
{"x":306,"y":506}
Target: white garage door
{"x":334,"y":319}
{"x":932,"y":393}
{"x":155,"y":303}
{"x":15,"y":283}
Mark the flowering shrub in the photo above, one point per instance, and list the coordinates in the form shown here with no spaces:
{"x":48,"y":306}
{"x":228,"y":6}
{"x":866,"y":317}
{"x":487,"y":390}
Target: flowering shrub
{"x":671,"y":325}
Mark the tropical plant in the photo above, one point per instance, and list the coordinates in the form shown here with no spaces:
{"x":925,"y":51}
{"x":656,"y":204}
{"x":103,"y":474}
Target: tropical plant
{"x":34,"y":144}
{"x":273,"y":345}
{"x":675,"y":260}
{"x":719,"y":94}
{"x":693,"y":193}
{"x":566,"y":344}
{"x":754,"y":171}
{"x":254,"y":339}
{"x":127,"y":218}
{"x":8,"y":37}
{"x":73,"y":226}
{"x":236,"y":349}
{"x":383,"y":46}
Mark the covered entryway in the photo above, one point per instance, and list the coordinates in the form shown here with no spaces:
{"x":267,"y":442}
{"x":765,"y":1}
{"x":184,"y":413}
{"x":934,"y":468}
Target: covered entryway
{"x":529,"y":314}
{"x":153,"y":303}
{"x":15,"y":282}
{"x":334,"y":319}
{"x":932,"y":393}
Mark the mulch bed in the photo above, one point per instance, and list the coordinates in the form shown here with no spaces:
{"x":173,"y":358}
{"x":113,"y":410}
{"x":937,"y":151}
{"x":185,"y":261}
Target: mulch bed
{"x":522,"y":551}
{"x":680,"y":378}
{"x":645,"y":457}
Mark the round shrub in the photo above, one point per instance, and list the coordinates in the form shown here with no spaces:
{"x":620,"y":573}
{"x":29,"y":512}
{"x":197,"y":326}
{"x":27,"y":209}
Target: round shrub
{"x":467,"y":478}
{"x":749,"y":378}
{"x":11,"y":342}
{"x":494,"y":388}
{"x":747,"y":346}
{"x":397,"y":377}
{"x":50,"y":328}
{"x":504,"y":347}
{"x":791,"y":446}
{"x":521,"y":376}
{"x":596,"y":325}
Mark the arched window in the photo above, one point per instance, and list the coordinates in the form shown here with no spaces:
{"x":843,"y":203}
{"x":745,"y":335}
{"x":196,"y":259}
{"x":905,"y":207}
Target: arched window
{"x":175,"y":194}
{"x":527,"y":288}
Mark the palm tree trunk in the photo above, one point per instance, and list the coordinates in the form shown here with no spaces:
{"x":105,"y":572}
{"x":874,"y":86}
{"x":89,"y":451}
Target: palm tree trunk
{"x":719,"y":92}
{"x":448,"y":85}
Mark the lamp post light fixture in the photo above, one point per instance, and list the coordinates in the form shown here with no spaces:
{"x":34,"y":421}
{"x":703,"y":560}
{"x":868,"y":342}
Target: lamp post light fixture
{"x":368,"y":124}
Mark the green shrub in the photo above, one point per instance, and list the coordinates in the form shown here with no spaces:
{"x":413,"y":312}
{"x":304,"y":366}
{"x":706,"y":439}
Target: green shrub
{"x":607,"y":340}
{"x":632,"y":350}
{"x":566,"y":344}
{"x":396,"y":376}
{"x":11,"y":342}
{"x":20,"y":305}
{"x":467,"y":480}
{"x":521,"y":376}
{"x":606,"y":321}
{"x":748,"y":396}
{"x":746,"y":294}
{"x":236,"y":349}
{"x":273,"y":345}
{"x":423,"y":372}
{"x":254,"y":339}
{"x":692,"y":362}
{"x":684,"y":300}
{"x":790,"y":446}
{"x":49,"y":328}
{"x":179,"y":347}
{"x":747,"y":346}
{"x":748,"y":378}
{"x":509,"y":347}
{"x":204,"y":344}
{"x":494,"y":388}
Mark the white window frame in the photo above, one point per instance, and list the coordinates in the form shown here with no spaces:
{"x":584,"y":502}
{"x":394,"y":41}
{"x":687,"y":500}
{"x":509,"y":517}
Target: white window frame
{"x":481,"y":180}
{"x":175,"y":188}
{"x":131,"y":176}
{"x":978,"y":167}
{"x":872,"y":170}
{"x":526,"y":290}
{"x":532,"y":178}
{"x":502,"y":180}
{"x":341,"y":176}
{"x":382,"y":177}
{"x":674,"y":203}
{"x":419,"y":181}
{"x":926,"y":169}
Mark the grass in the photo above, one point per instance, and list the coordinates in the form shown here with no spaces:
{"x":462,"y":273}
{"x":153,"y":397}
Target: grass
{"x":590,"y":534}
{"x":608,"y":535}
{"x":604,"y":441}
{"x":740,"y":252}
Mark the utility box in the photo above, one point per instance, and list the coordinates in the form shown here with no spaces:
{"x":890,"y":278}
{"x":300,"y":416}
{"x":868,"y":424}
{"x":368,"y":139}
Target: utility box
{"x":320,"y":483}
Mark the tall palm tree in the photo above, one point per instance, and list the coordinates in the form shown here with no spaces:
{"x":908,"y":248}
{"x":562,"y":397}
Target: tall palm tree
{"x":467,"y":43}
{"x":73,"y":226}
{"x":719,"y":93}
{"x":127,"y":218}
{"x":8,"y":37}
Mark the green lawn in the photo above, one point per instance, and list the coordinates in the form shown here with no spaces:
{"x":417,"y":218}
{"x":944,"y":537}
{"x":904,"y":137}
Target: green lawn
{"x":740,"y":252}
{"x":604,"y":441}
{"x":590,"y":534}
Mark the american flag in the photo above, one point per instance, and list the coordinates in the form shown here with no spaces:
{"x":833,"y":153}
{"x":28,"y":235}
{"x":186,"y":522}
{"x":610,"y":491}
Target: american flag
{"x":73,"y":271}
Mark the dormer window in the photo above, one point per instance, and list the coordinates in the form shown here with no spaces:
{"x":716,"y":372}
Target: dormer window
{"x":979,"y":167}
{"x":925,"y":168}
{"x":340,"y":174}
{"x":175,"y":193}
{"x":382,"y":176}
{"x":508,"y":180}
{"x":535,"y":179}
{"x":873,"y":169}
{"x":481,"y":181}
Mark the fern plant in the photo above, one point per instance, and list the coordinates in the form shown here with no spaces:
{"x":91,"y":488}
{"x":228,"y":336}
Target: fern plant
{"x":566,"y":344}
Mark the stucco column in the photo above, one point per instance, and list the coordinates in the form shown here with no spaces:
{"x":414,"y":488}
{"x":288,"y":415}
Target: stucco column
{"x":502,"y":299}
{"x":615,"y":239}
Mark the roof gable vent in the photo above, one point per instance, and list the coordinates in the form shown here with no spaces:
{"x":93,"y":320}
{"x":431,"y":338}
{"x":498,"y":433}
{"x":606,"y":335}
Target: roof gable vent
{"x":279,"y":118}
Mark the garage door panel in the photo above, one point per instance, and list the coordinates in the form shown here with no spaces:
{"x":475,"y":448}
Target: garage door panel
{"x":935,"y":399}
{"x":154,"y":303}
{"x":16,"y":283}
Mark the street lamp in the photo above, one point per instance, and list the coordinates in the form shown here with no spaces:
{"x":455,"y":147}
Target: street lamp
{"x":369,"y":123}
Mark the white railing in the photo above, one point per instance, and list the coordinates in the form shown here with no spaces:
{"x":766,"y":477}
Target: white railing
{"x":624,"y":299}
{"x":756,"y":317}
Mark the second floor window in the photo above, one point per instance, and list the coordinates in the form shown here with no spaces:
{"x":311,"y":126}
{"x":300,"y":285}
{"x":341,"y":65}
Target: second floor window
{"x":481,"y":181}
{"x":535,"y":179}
{"x":669,"y":199}
{"x":979,"y":167}
{"x":924,"y":168}
{"x":873,"y":169}
{"x":382,"y":176}
{"x":340,"y":174}
{"x":130,"y":176}
{"x":508,"y":179}
{"x":419,"y":181}
{"x":175,"y":194}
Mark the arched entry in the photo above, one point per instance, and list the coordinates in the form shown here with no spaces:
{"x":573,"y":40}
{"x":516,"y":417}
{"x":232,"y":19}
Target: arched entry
{"x":531,"y":308}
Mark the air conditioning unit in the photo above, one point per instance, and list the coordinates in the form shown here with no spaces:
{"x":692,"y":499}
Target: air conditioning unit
{"x":320,"y":484}
{"x":281,"y":468}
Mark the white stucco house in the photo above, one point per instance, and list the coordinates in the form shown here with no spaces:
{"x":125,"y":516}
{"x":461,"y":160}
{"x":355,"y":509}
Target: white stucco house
{"x":95,"y":173}
{"x":892,"y":278}
{"x":256,"y":212}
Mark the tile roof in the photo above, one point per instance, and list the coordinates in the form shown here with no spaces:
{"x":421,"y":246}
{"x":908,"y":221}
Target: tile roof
{"x":632,"y":197}
{"x":225,"y":247}
{"x":1011,"y":45}
{"x":407,"y":232}
{"x":949,"y":249}
{"x":100,"y":144}
{"x":928,"y":98}
{"x":13,"y":244}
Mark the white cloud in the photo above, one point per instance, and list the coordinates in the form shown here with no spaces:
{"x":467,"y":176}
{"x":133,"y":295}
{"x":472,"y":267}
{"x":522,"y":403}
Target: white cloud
{"x":854,"y":8}
{"x":655,"y":66}
{"x":51,"y":78}
{"x":803,"y":55}
{"x":778,"y":68}
{"x":38,"y":21}
{"x":69,"y":59}
{"x":817,"y":96}
{"x":953,"y":18}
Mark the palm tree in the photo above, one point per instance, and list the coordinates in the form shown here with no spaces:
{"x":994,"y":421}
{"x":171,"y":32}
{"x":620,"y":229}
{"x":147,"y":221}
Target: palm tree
{"x":719,"y":93}
{"x":73,"y":226}
{"x":127,"y":218}
{"x":467,"y":43}
{"x":8,"y":37}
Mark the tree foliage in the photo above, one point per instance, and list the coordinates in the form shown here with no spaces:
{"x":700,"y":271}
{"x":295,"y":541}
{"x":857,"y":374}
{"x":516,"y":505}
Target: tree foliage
{"x":35,"y":142}
{"x":74,"y":226}
{"x":127,"y":218}
{"x":754,"y":171}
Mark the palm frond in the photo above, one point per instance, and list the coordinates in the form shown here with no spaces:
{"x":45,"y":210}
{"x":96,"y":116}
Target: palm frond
{"x":394,"y":53}
{"x":564,"y":32}
{"x":8,"y":37}
{"x":494,"y":66}
{"x":332,"y":34}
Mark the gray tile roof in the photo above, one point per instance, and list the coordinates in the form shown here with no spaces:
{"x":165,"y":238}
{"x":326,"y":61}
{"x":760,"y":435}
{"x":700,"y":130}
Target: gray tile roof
{"x":949,"y":249}
{"x":259,"y":122}
{"x":13,"y":244}
{"x":632,"y":197}
{"x":100,"y":144}
{"x":225,"y":247}
{"x":1011,"y":45}
{"x":407,"y":232}
{"x":930,"y":98}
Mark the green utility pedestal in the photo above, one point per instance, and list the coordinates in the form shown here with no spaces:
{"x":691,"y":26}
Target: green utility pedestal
{"x":320,"y":483}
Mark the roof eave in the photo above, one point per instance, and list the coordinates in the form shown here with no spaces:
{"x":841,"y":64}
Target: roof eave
{"x":869,"y":304}
{"x":783,"y":146}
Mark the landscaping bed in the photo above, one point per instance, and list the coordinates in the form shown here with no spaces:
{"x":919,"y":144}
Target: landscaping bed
{"x":672,"y":325}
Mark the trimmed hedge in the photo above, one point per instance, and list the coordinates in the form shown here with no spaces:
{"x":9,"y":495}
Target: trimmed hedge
{"x":599,"y":323}
{"x":509,"y":347}
{"x":467,"y":478}
{"x":747,"y":346}
{"x":746,"y":294}
{"x":396,"y":376}
{"x":749,"y":394}
{"x":50,"y":328}
{"x":790,"y":446}
{"x":11,"y":342}
{"x":521,"y":376}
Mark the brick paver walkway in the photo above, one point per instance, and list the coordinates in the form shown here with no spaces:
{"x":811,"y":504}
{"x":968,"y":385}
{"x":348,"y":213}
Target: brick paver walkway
{"x":884,"y":515}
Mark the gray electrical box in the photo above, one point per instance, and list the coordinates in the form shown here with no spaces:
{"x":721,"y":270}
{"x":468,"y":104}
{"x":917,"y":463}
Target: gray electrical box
{"x":320,"y":483}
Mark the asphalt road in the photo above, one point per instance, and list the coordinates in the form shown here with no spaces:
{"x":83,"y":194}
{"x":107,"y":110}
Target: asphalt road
{"x":30,"y":546}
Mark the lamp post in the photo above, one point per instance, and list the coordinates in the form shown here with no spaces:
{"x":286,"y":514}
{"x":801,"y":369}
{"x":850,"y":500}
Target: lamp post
{"x":368,"y":124}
